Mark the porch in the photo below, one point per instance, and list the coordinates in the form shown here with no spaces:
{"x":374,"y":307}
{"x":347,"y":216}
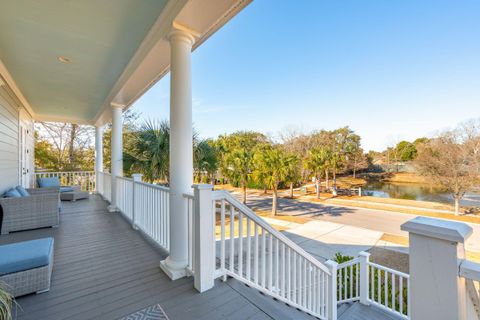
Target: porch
{"x":105,"y":270}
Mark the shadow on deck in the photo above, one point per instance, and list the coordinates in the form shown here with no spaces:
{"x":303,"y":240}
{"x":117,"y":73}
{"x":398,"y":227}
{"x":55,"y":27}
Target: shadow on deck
{"x":104,"y":269}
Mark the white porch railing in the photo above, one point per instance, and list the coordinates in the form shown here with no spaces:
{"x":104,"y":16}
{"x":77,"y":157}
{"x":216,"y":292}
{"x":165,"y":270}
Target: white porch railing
{"x":383,"y":287}
{"x":471,"y":272}
{"x":84,"y":179}
{"x":348,"y":281}
{"x":104,"y":184}
{"x":146,"y":206}
{"x":253,"y":252}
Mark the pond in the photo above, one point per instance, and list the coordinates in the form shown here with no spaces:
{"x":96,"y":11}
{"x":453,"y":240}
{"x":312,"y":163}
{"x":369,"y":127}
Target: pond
{"x":412,"y":191}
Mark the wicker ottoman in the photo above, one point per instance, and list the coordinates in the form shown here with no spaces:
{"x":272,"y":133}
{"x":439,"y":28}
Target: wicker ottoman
{"x":74,"y":195}
{"x":26,"y":267}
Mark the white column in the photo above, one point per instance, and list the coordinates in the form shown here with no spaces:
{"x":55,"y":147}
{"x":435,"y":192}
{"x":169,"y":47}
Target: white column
{"x":436,"y":247}
{"x":204,"y":241}
{"x":116,"y":153}
{"x":98,"y":155}
{"x":181,"y":151}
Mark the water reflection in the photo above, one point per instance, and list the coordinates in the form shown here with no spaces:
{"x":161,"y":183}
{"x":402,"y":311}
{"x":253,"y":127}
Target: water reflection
{"x":417,"y":192}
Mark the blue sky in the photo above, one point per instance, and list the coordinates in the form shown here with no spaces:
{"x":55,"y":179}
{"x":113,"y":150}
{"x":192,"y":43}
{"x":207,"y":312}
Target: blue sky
{"x":390,"y":70}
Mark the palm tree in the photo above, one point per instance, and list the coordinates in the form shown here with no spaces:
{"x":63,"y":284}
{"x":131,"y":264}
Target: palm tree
{"x":205,"y":162}
{"x":294,"y":173}
{"x":236,"y":151}
{"x":275,"y":165}
{"x":318,"y":161}
{"x":148,"y":151}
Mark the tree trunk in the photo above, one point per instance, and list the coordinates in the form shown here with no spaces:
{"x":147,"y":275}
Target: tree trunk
{"x":354,"y":168}
{"x":71,"y":146}
{"x":244,"y":187}
{"x":291,"y":190}
{"x":317,"y":187}
{"x":334,"y":177}
{"x":457,"y":205}
{"x":264,"y":189}
{"x":274,"y":202}
{"x":327,"y":181}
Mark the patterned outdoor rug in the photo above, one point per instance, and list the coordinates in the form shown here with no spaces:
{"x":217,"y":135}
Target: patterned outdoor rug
{"x":154,"y":312}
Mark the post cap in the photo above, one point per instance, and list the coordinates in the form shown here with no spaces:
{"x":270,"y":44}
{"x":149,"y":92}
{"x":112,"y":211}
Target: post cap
{"x":202,"y":186}
{"x":439,"y":229}
{"x":364,"y":254}
{"x":137,"y":176}
{"x":331,"y":264}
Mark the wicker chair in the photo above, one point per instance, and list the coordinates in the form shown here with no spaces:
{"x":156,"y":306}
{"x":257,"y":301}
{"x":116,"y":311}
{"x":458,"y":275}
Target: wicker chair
{"x":39,"y":210}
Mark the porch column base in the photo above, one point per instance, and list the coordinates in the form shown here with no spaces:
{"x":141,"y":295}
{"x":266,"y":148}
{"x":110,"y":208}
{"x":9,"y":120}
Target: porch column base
{"x":112,"y":209}
{"x":173,"y":272}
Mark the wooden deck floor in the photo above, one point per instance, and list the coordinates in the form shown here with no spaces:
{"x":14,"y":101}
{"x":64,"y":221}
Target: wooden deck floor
{"x":104,"y":270}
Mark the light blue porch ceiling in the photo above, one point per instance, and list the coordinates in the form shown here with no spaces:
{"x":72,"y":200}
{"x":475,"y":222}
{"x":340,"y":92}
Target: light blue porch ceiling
{"x":98,"y":36}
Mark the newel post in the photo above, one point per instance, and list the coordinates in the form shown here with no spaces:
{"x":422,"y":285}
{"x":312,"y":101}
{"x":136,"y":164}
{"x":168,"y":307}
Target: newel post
{"x":436,"y":249}
{"x":137,"y":177}
{"x":332,"y":290}
{"x":204,"y":237}
{"x":364,"y":258}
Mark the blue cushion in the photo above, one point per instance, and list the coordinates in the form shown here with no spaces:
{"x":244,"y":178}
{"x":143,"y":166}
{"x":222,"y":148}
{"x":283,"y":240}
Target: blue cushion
{"x":66,"y":189}
{"x":25,"y":255}
{"x":12,"y":193}
{"x":22,"y":191}
{"x":48,"y":182}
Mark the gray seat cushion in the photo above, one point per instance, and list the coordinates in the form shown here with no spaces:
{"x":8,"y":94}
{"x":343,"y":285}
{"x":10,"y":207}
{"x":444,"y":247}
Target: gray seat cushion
{"x":25,"y":255}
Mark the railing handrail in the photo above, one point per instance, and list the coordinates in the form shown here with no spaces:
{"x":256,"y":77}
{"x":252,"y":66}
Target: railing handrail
{"x":222,"y":194}
{"x":348,"y":263}
{"x":395,"y":272}
{"x":156,"y":186}
{"x":50,"y":172}
{"x":125,"y":178}
{"x":470,"y":270}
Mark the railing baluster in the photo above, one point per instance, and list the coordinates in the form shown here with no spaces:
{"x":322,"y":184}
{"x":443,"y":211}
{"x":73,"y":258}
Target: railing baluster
{"x":400,"y":298}
{"x":232,"y":239}
{"x":263,"y":260}
{"x":289,"y":274}
{"x":248,"y":256}
{"x":385,"y":287}
{"x":270,"y":261}
{"x":222,"y":235}
{"x":277,"y":274}
{"x":255,"y":259}
{"x":240,"y":243}
{"x":393,"y":292}
{"x":294,"y":274}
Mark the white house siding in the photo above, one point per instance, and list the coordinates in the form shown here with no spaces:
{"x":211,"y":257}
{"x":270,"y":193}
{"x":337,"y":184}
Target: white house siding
{"x":10,"y":174}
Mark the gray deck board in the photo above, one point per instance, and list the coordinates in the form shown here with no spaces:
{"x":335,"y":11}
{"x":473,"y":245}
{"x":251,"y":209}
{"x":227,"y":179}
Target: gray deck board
{"x":104,"y":270}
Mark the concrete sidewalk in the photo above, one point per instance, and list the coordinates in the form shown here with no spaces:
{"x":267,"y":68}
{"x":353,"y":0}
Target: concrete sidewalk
{"x":324,"y":239}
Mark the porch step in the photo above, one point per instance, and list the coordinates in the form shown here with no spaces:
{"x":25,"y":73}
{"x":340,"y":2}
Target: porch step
{"x":358,"y":311}
{"x":272,"y":308}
